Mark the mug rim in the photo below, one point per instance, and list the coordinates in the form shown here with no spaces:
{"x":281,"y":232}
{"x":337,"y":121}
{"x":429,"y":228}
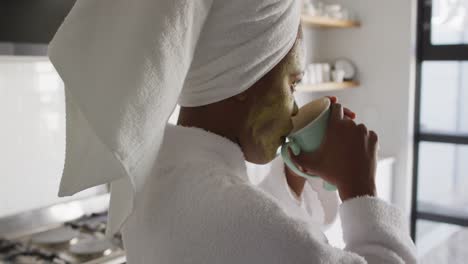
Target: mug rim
{"x":315,"y":120}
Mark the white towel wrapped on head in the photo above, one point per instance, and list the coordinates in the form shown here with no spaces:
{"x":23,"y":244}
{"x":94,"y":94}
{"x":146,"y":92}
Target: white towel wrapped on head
{"x":126,"y":63}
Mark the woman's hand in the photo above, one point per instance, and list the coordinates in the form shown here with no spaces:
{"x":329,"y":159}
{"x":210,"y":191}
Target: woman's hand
{"x":347,"y":156}
{"x":296,"y":182}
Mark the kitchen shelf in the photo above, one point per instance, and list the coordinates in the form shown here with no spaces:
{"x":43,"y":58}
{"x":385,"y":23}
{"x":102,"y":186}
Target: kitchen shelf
{"x":326,"y":22}
{"x":328,"y":86}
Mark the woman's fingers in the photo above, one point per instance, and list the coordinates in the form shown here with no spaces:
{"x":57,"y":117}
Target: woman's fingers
{"x":337,"y":112}
{"x":333,"y":99}
{"x":373,"y":136}
{"x":297,"y":161}
{"x":308,"y":163}
{"x":348,"y":113}
{"x":374,"y":141}
{"x":363,"y":129}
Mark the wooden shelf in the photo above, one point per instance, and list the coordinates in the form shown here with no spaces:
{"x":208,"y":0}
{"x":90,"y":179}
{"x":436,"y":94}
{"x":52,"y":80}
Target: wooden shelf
{"x":328,"y":86}
{"x":317,"y":21}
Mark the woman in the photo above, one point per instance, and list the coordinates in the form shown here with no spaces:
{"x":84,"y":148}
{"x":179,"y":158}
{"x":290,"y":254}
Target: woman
{"x":180,"y":194}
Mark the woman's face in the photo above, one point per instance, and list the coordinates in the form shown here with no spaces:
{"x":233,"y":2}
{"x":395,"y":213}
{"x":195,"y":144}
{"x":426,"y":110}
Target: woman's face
{"x":271,"y":108}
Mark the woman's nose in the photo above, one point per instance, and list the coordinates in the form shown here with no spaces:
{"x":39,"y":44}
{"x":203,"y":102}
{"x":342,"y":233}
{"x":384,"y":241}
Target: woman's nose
{"x":295,"y":109}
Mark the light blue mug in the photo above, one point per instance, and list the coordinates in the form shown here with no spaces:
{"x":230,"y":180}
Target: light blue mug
{"x":310,"y":127}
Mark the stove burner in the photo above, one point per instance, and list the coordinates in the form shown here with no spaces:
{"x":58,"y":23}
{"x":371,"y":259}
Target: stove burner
{"x":7,"y":246}
{"x":16,"y":252}
{"x":90,"y":246}
{"x":55,"y":236}
{"x":77,"y":241}
{"x":93,"y":223}
{"x":34,"y":256}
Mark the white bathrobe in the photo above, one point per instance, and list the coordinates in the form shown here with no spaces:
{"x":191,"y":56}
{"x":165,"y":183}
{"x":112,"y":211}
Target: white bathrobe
{"x":315,"y":203}
{"x":200,"y":207}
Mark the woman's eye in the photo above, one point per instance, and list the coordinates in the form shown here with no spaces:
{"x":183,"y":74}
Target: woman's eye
{"x":294,"y":84}
{"x":293,"y":87}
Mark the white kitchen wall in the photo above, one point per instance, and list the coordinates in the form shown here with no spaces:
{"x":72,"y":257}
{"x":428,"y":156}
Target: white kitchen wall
{"x":383,"y":51}
{"x":32,"y":135}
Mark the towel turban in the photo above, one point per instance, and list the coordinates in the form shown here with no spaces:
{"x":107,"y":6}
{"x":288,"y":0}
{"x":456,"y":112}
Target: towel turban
{"x":126,"y":64}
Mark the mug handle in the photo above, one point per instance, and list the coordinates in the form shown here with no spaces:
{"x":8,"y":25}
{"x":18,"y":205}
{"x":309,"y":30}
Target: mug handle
{"x":296,"y":150}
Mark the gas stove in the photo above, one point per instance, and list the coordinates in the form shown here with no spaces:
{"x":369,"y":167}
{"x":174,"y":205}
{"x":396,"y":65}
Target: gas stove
{"x":66,"y":234}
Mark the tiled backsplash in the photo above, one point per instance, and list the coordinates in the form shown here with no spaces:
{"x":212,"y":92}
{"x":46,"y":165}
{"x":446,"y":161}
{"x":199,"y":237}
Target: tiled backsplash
{"x":23,"y":49}
{"x":32,"y":134}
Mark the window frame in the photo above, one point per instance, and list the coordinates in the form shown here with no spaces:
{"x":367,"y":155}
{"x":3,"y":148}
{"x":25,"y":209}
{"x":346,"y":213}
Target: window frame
{"x":425,"y":51}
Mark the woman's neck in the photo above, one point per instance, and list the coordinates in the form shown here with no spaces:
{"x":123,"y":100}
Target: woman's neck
{"x":212,"y":121}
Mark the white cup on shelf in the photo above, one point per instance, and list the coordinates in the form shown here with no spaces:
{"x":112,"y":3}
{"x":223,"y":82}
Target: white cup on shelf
{"x":312,"y":74}
{"x":334,"y":11}
{"x":318,"y":73}
{"x":338,"y":75}
{"x":313,"y":8}
{"x":326,"y":72}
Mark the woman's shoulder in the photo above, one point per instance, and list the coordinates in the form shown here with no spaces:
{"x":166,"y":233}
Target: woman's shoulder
{"x":250,"y":205}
